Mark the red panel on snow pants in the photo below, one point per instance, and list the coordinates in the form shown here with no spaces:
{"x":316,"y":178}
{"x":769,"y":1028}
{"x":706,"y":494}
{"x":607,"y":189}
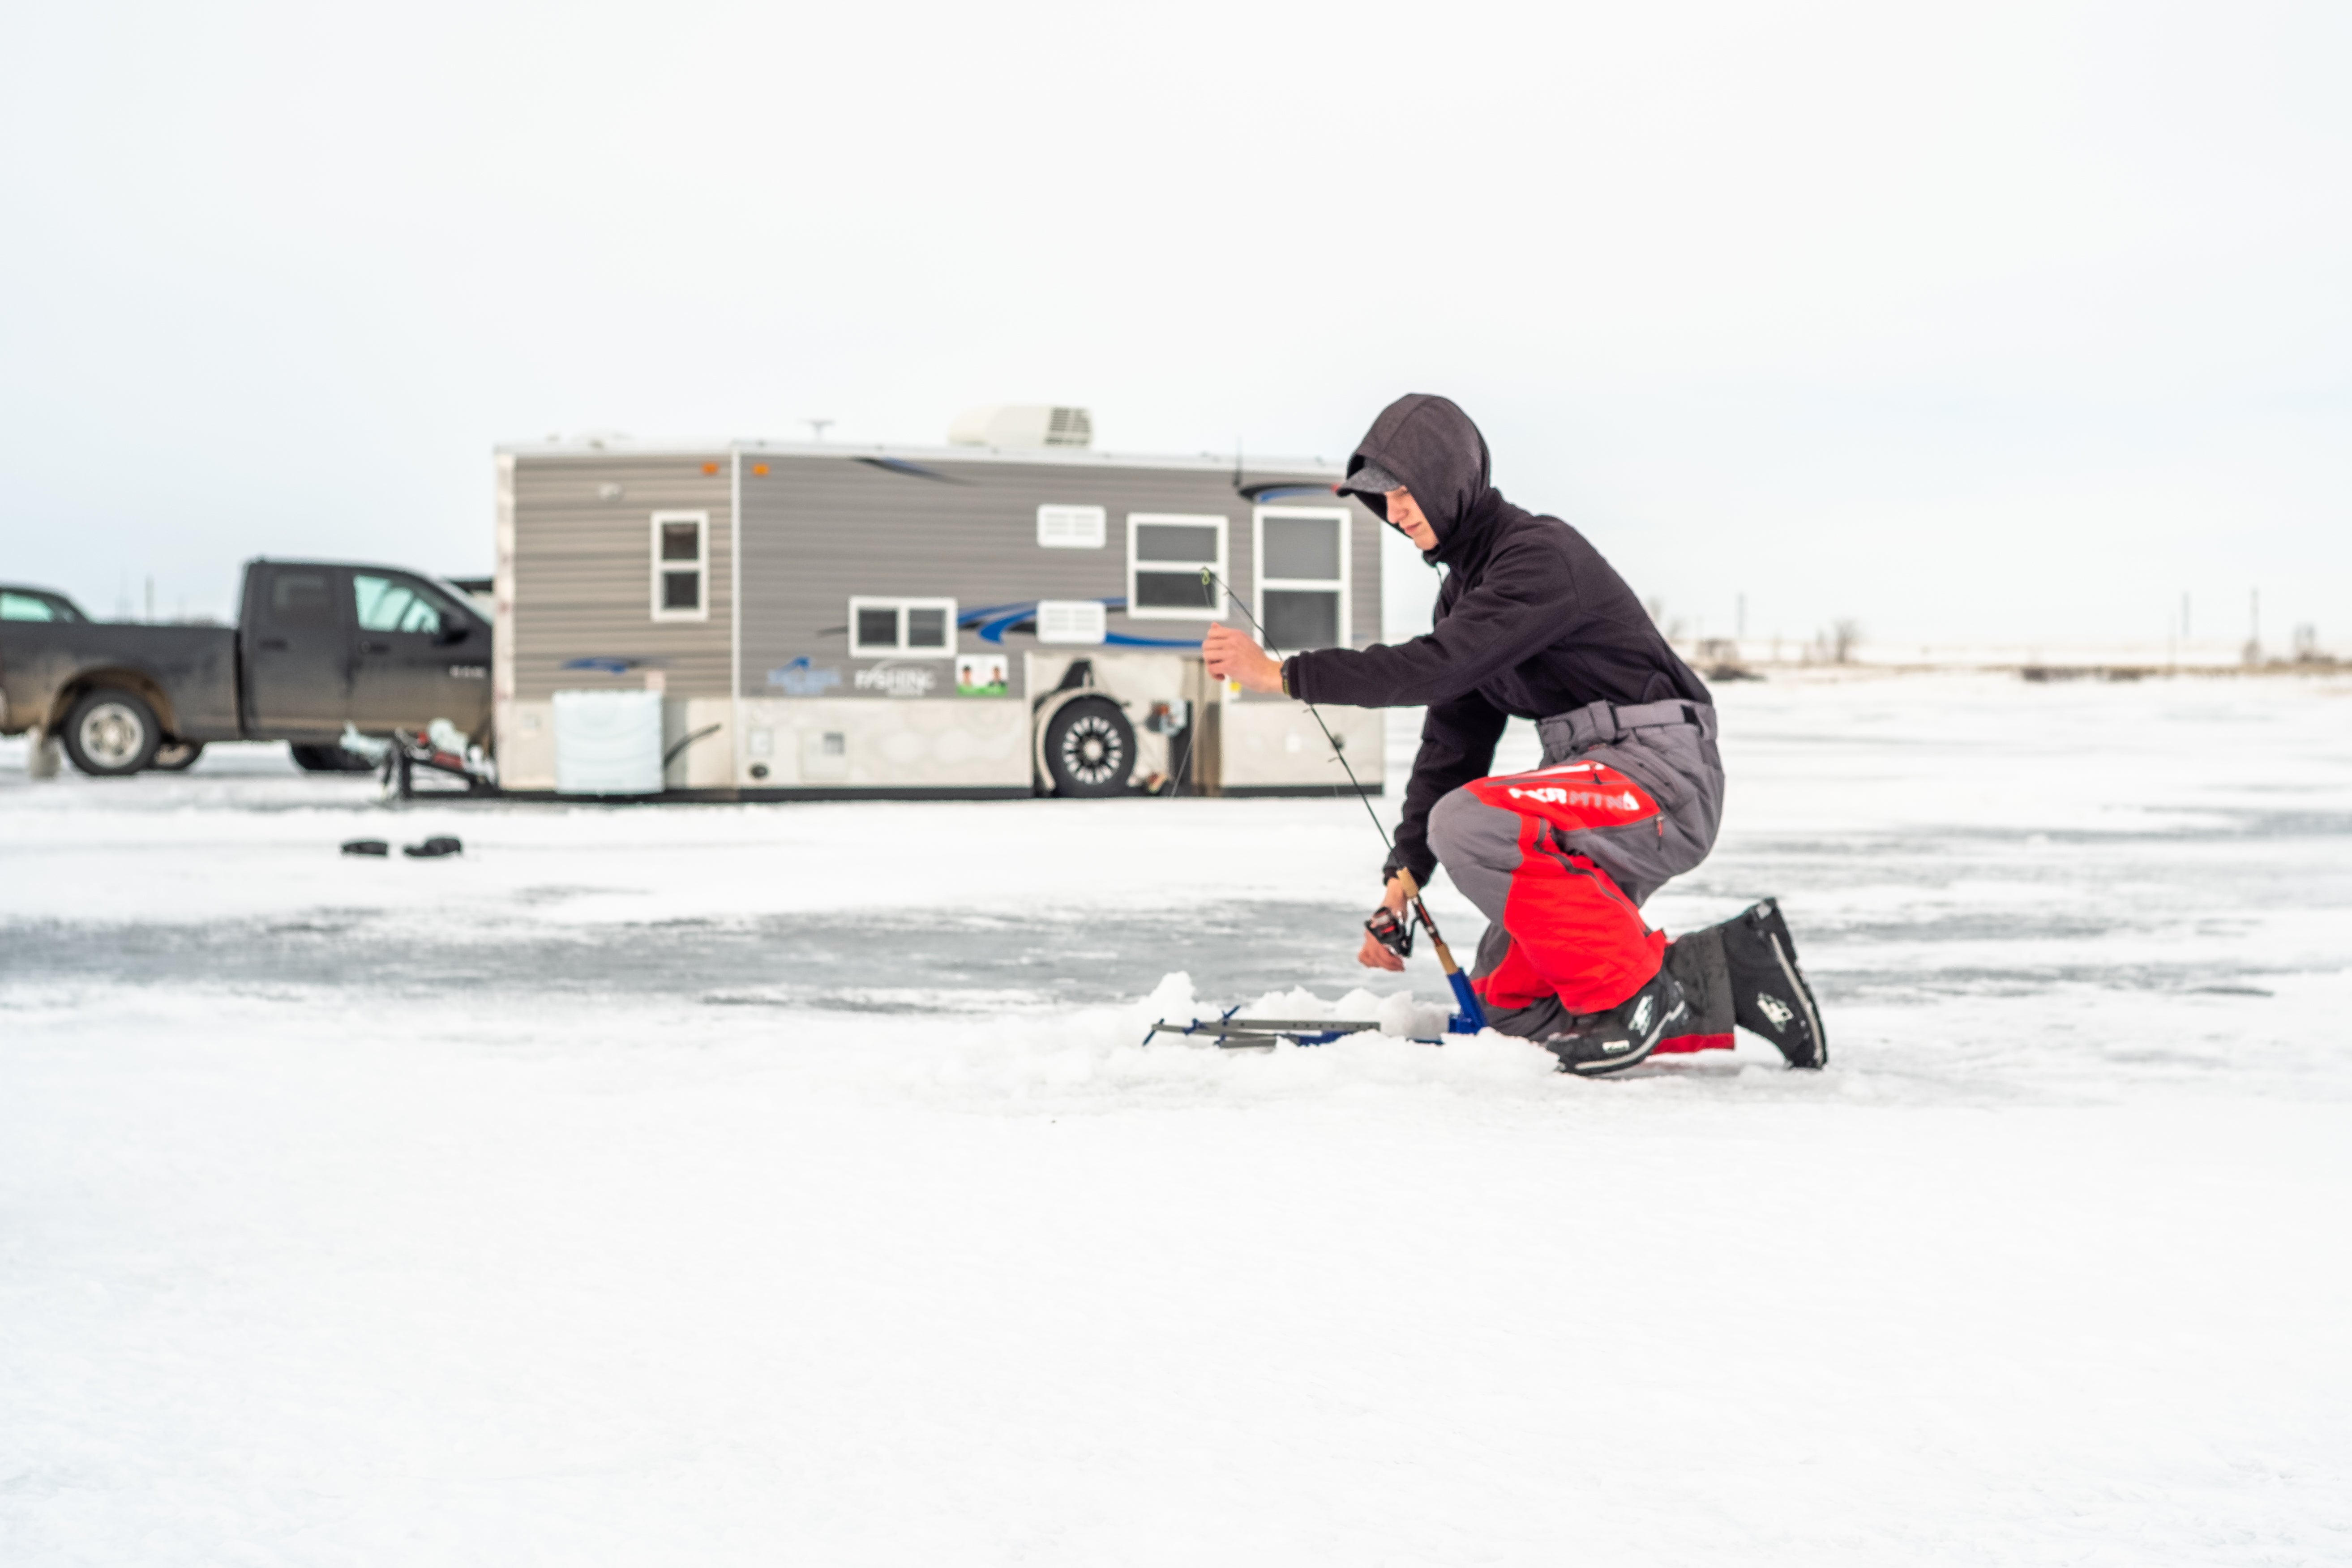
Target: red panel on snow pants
{"x":1573,"y":933}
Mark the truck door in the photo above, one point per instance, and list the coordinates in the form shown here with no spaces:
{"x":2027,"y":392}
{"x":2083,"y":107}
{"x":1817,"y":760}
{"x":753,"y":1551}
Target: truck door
{"x":298,"y":676}
{"x":419,"y":657}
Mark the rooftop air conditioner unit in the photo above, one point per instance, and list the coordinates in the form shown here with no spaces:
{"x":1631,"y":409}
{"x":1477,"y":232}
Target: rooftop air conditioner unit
{"x":1022,"y":425}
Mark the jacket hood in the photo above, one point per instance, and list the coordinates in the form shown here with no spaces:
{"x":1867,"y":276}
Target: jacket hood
{"x":1432,"y":446}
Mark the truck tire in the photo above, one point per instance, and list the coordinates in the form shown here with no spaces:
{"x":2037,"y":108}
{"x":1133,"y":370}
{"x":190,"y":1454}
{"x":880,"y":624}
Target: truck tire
{"x":176,"y":756}
{"x":1090,"y":748}
{"x":111,"y":732}
{"x":328,"y":759}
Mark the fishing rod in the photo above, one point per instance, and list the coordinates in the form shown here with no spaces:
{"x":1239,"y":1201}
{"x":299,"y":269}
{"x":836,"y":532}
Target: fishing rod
{"x":1391,"y":932}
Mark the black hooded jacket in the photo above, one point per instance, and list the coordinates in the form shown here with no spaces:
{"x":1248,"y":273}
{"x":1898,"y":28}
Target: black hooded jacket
{"x":1530,"y":620}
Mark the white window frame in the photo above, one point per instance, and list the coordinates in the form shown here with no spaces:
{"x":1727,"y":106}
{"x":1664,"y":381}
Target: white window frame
{"x":1090,"y":524}
{"x":901,"y":604}
{"x":1135,"y":522}
{"x":701,"y":519}
{"x":1260,"y":583}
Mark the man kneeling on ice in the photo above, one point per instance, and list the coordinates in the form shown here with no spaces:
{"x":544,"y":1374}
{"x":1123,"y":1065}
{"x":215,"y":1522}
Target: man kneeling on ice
{"x":1532,"y":623}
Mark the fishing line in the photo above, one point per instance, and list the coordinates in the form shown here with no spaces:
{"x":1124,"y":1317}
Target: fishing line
{"x":1472,"y":1016}
{"x":1339,"y":752}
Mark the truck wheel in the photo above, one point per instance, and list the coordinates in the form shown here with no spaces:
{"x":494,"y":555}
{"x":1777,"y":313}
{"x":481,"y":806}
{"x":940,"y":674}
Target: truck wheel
{"x":112,"y":732}
{"x":1090,"y":748}
{"x":176,"y":756}
{"x":329,"y":760}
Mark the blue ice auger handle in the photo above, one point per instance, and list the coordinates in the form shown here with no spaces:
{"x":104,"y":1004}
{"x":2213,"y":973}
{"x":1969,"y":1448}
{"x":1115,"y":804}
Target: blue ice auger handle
{"x":1473,"y":1017}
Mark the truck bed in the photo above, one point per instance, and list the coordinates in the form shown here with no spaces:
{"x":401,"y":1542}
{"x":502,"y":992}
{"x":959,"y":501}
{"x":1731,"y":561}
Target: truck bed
{"x":189,"y":673}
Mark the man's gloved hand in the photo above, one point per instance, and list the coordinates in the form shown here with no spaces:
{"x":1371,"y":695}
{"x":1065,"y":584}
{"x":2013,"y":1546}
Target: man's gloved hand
{"x":1377,"y":953}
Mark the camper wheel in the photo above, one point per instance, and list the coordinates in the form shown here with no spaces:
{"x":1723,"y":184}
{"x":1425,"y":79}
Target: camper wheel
{"x":1090,"y":748}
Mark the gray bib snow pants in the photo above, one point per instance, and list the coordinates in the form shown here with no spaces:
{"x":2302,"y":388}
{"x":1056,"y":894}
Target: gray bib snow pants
{"x":1560,"y":859}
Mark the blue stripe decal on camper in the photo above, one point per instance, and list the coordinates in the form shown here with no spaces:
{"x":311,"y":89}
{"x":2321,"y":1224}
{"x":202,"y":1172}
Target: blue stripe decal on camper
{"x":992,"y":621}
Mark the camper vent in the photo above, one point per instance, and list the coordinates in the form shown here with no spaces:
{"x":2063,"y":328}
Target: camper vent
{"x":1023,"y":425}
{"x":1071,"y":527}
{"x":1070,"y":620}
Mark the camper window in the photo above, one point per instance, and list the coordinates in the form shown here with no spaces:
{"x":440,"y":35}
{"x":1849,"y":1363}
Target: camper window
{"x":1302,"y":576}
{"x":919,"y":628}
{"x":681,"y":547}
{"x":1165,"y":552}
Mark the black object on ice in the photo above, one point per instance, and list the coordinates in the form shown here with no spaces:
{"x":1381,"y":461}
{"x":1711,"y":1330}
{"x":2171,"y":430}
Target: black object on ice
{"x":366,"y":847}
{"x":1626,"y":1034}
{"x":433,"y":849}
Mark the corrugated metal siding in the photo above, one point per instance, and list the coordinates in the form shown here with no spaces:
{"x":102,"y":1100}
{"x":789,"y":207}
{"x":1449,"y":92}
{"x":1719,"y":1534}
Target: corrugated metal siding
{"x":817,"y":530}
{"x":582,"y":570}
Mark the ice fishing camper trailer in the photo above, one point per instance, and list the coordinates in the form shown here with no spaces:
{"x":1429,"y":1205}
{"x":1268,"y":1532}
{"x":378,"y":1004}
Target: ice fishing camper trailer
{"x":760,"y":620}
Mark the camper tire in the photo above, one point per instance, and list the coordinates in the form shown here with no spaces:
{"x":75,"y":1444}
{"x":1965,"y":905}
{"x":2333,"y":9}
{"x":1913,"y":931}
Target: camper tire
{"x":1090,"y":748}
{"x":110,"y":733}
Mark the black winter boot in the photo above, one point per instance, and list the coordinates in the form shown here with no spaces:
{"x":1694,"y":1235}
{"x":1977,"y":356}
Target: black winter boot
{"x":1612,"y":1041}
{"x":1768,"y":994}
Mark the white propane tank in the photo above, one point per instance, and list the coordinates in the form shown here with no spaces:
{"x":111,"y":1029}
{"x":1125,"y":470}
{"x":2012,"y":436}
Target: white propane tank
{"x":608,"y":742}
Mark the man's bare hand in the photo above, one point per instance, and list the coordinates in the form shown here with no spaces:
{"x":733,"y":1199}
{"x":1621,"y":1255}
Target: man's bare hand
{"x":1232,"y":656}
{"x":1372,"y":955}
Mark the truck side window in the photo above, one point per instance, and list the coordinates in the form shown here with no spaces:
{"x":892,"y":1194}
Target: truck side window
{"x":25,"y":607}
{"x":302,"y":599}
{"x":385,"y":604}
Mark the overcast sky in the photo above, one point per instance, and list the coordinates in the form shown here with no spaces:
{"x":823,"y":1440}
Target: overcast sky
{"x":1974,"y":321}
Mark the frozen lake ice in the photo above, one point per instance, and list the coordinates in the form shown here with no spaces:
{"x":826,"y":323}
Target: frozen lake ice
{"x":715,"y":1183}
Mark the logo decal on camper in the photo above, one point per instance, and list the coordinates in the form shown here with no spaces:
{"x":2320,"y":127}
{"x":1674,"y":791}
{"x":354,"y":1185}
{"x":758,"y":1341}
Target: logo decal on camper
{"x":981,"y":674}
{"x":897,"y":679}
{"x":799,"y":679}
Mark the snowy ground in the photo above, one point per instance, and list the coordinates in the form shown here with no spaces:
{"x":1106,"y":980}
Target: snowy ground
{"x":713,"y":1185}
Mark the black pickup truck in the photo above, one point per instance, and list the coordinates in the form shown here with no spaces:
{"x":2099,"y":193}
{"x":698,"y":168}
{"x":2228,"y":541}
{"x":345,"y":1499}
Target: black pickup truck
{"x":317,"y":646}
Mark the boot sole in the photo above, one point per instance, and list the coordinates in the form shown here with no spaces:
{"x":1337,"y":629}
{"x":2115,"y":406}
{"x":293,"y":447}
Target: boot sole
{"x":1634,"y":1057}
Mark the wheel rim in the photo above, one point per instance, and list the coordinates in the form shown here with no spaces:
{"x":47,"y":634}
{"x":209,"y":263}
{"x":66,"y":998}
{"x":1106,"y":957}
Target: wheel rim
{"x":1090,"y":750}
{"x":111,"y":735}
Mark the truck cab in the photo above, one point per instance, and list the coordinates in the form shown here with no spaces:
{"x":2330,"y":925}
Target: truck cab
{"x":376,"y":648}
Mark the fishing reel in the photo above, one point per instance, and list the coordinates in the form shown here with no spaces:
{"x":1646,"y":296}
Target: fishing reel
{"x":1391,"y":931}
